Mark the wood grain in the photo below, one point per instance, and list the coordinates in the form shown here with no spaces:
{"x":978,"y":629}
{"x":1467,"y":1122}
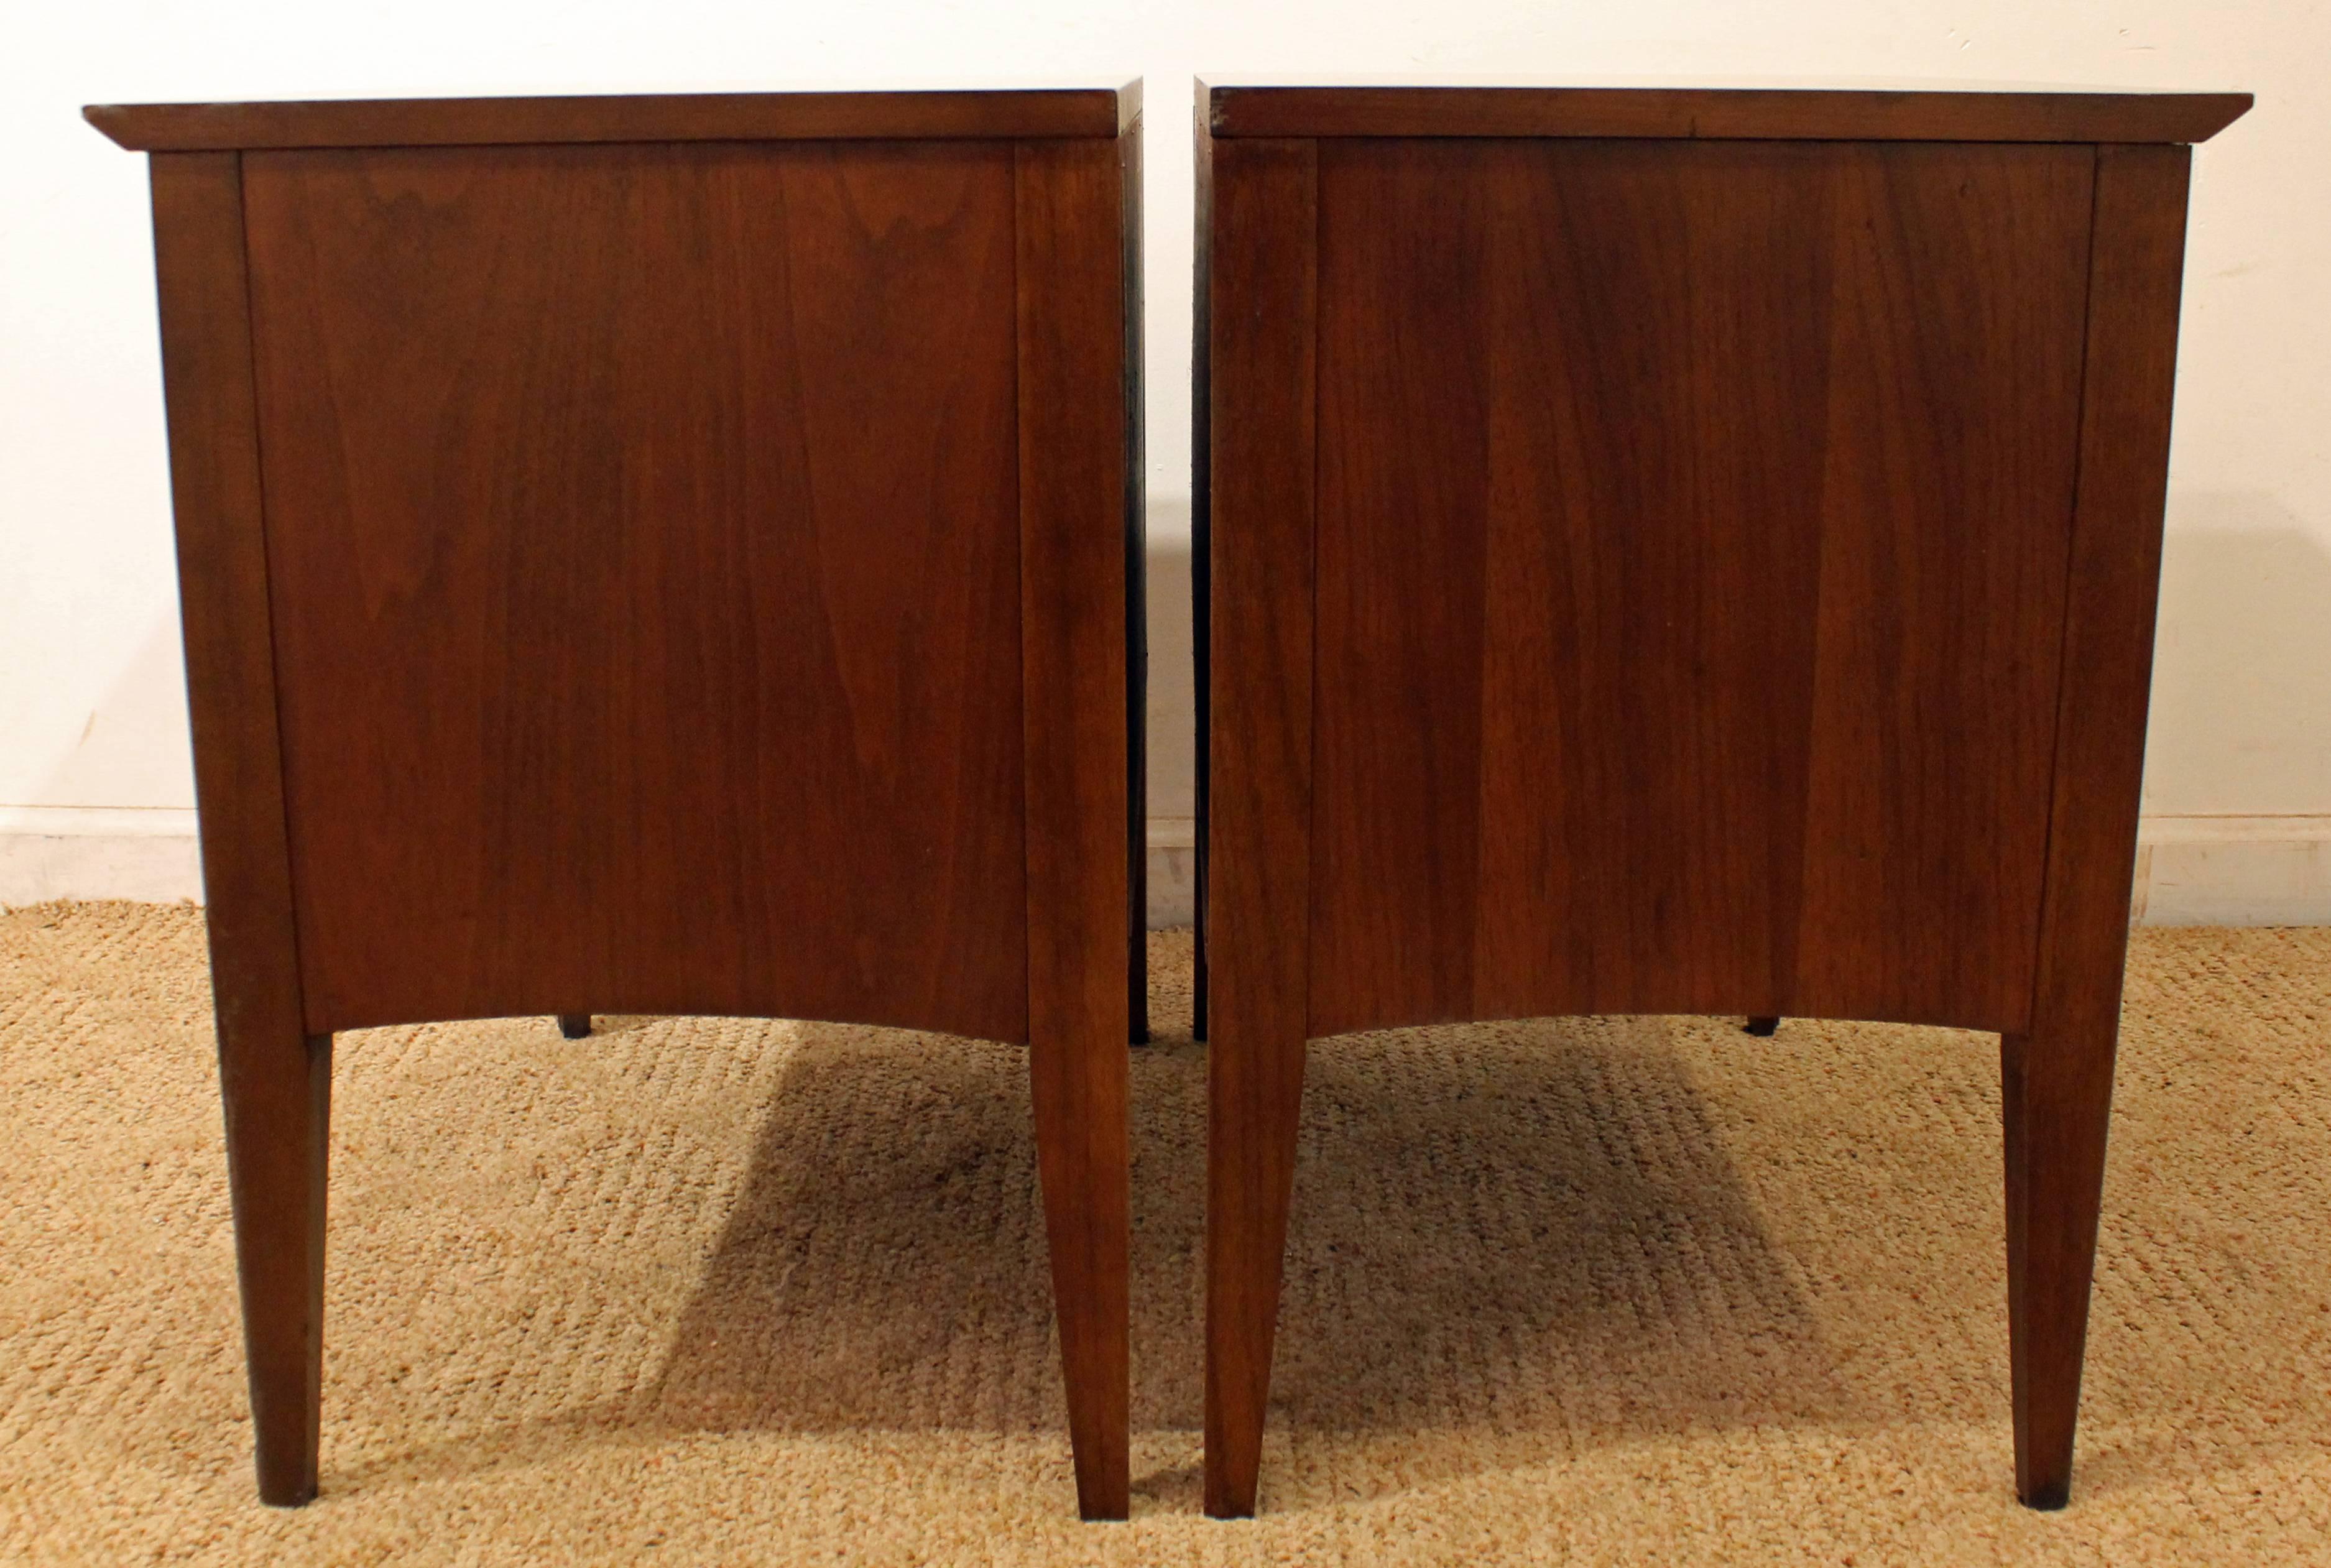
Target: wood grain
{"x":1730,"y":589}
{"x":1200,"y":563}
{"x":1134,"y":492}
{"x":1402,"y":567}
{"x":1641,"y":772}
{"x":645,"y":569}
{"x":984,"y":115}
{"x":1720,"y":113}
{"x":1654,"y":672}
{"x":1073,"y":580}
{"x":275,"y":1079}
{"x":2058,"y":1074}
{"x":1953,"y":422}
{"x":1258,"y":361}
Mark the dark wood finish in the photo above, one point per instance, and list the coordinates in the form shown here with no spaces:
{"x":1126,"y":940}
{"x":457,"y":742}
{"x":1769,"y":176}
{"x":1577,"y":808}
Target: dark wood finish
{"x":718,"y":583}
{"x":1135,"y":493}
{"x":681,"y":576}
{"x":1201,"y":472}
{"x":274,"y":1078}
{"x":1074,"y":582}
{"x":1716,"y":112}
{"x":1258,"y":353}
{"x":1509,"y":446}
{"x":1577,"y":775}
{"x":1074,"y":112}
{"x":2058,"y":1073}
{"x":1954,"y":400}
{"x":1763,"y":1028}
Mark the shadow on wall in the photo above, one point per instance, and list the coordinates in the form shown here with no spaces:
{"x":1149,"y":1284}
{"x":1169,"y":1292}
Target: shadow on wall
{"x":2242,"y":677}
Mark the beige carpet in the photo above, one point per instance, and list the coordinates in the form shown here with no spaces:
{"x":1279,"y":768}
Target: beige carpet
{"x":693,"y":1291}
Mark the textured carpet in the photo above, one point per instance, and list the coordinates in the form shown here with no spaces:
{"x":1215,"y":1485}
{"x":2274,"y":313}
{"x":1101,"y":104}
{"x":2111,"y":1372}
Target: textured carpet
{"x":1607,"y":1290}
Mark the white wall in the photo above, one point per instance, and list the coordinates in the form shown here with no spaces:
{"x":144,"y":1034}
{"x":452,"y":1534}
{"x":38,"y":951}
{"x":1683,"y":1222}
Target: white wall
{"x":95,"y":788}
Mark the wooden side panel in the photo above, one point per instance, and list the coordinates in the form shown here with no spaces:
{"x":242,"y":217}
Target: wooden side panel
{"x":1952,"y":423}
{"x":1573,"y":688}
{"x":1262,"y":273}
{"x":2058,"y":1074}
{"x":215,"y":493}
{"x":644,"y":538}
{"x":1646,"y":684}
{"x":1404,"y":477}
{"x":274,"y":1079}
{"x":1201,"y":586}
{"x":1258,"y":360}
{"x":1687,"y":583}
{"x":1136,"y":493}
{"x":1073,"y":578}
{"x":2115,"y":583}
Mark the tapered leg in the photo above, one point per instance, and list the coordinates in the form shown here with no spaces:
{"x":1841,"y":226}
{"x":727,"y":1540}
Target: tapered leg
{"x":1761,"y":1027}
{"x":1083,"y":1159}
{"x":575,"y":1025}
{"x":1079,"y":259}
{"x":279,"y":1093}
{"x":2058,"y":1074}
{"x":1255,"y":1092}
{"x":2058,"y":1099}
{"x":1255,"y":386}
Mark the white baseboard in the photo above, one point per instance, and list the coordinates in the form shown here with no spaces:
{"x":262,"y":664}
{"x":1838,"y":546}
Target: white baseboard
{"x":2230,"y":871}
{"x":2190,"y":871}
{"x":146,"y":854}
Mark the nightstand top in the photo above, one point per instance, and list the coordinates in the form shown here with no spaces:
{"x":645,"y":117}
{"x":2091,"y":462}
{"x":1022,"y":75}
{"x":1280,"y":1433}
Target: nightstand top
{"x":902,"y":115}
{"x":1932,"y":111}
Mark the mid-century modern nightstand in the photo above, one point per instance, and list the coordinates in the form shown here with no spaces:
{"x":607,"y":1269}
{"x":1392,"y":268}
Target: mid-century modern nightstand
{"x":1678,"y":551}
{"x":661,"y":555}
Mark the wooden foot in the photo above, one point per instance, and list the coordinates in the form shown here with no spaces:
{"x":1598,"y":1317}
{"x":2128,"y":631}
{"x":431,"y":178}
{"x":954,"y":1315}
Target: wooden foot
{"x":575,"y":1025}
{"x":1255,"y":1099}
{"x":279,"y":1096}
{"x":1083,"y":1159}
{"x":1761,"y":1027}
{"x":2057,"y":1101}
